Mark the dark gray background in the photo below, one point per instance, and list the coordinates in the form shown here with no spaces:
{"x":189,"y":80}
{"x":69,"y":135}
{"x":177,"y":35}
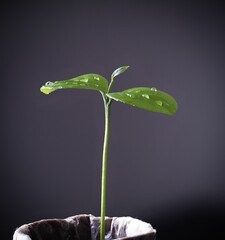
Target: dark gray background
{"x":165,"y":170}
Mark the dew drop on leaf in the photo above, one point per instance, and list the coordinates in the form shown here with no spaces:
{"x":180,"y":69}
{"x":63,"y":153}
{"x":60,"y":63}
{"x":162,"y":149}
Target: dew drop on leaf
{"x":153,"y":89}
{"x":159,"y":103}
{"x":96,"y":78}
{"x":145,"y":96}
{"x":84,"y":80}
{"x":128,"y":94}
{"x":48,"y":83}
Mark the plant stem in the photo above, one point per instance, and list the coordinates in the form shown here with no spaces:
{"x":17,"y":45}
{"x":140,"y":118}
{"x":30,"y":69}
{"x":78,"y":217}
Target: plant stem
{"x":107,"y":105}
{"x":110,"y":85}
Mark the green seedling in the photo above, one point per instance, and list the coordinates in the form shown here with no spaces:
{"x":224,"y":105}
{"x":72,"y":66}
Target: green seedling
{"x":149,"y":99}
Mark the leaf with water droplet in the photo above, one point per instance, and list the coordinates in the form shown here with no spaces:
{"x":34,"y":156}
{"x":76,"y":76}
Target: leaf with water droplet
{"x":119,"y":71}
{"x":149,"y":99}
{"x":87,"y":81}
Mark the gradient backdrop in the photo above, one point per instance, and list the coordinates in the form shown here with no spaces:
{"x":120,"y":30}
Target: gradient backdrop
{"x":165,"y":170}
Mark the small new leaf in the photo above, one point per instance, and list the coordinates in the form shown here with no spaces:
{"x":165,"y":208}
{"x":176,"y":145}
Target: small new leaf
{"x":147,"y":98}
{"x":87,"y":81}
{"x":119,"y":71}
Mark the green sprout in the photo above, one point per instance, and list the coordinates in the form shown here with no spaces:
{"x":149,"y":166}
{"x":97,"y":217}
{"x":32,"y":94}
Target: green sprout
{"x":149,"y":99}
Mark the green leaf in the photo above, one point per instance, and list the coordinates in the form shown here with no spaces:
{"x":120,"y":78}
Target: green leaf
{"x":87,"y":81}
{"x":147,"y":98}
{"x":119,"y":71}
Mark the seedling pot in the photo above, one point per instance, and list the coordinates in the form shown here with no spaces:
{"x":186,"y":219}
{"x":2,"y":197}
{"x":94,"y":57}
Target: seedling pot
{"x":85,"y":227}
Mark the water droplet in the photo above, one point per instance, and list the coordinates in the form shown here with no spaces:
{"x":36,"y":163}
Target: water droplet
{"x":60,"y":87}
{"x":128,"y":94}
{"x":145,"y":96}
{"x":84,"y":80}
{"x":97,"y":78}
{"x":48,"y":83}
{"x":153,"y":89}
{"x":159,"y":103}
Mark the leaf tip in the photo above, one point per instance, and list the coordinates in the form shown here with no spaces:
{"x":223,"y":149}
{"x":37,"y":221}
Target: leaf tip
{"x":44,"y":90}
{"x":47,"y":88}
{"x":174,"y":109}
